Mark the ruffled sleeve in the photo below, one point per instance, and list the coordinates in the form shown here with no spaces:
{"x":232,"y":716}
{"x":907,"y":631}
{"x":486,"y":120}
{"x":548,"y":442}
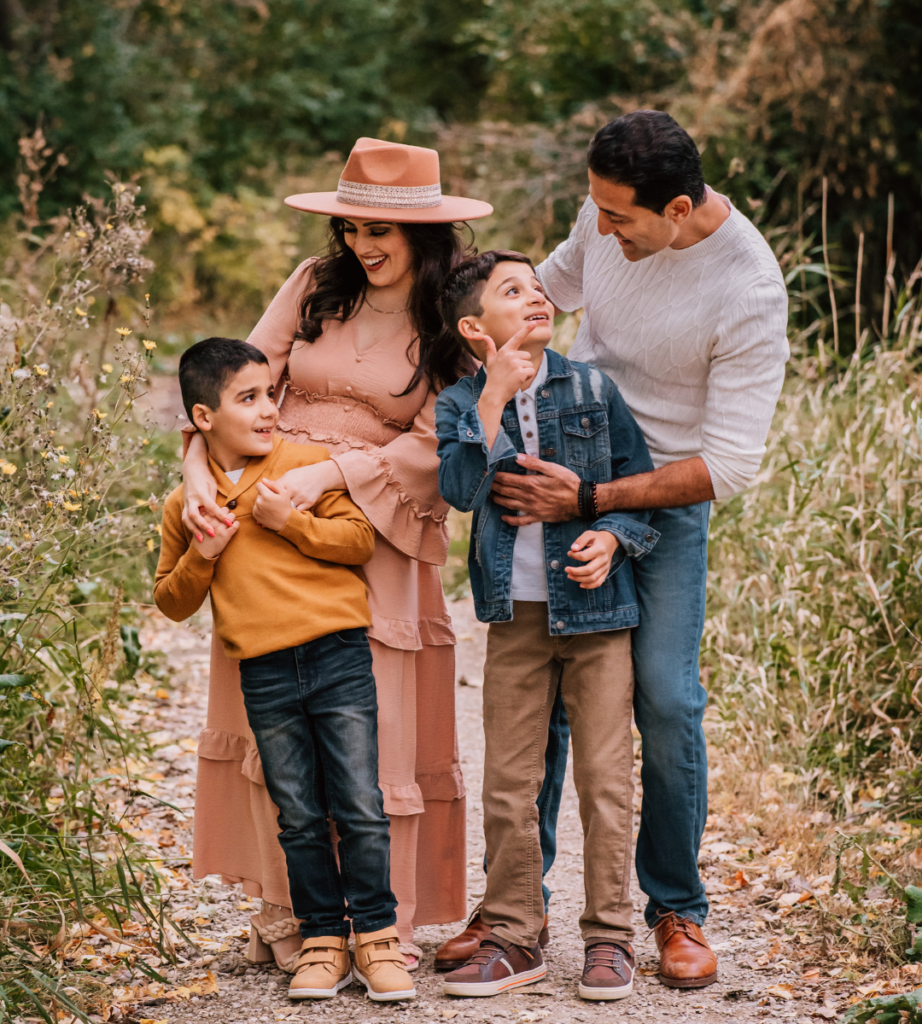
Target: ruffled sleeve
{"x":396,"y":486}
{"x":275,"y":333}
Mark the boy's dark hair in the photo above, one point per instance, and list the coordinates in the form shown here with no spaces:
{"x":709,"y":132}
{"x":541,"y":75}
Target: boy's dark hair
{"x":206,"y":367}
{"x":652,"y":153}
{"x":463,"y":287}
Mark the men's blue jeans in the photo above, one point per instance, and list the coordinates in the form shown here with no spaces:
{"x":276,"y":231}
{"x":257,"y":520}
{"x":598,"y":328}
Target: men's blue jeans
{"x":314,"y":712}
{"x":669,"y":704}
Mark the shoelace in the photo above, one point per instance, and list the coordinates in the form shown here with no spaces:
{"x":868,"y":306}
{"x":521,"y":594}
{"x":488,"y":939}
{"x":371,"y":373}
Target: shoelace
{"x":603,"y":955}
{"x":679,"y":924}
{"x":488,"y":951}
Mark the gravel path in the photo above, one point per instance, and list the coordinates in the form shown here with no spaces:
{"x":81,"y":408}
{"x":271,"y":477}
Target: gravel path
{"x":769,"y":961}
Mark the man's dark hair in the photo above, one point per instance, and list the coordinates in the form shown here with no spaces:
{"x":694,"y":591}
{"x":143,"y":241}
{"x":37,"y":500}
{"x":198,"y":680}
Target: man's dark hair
{"x":207,"y":366}
{"x":652,"y":153}
{"x":463,"y":288}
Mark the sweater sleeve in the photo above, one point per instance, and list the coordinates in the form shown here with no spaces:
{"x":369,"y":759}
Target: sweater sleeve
{"x":183,"y":574}
{"x":561,"y":274}
{"x":744,"y":383}
{"x":396,"y":486}
{"x":334,"y":530}
{"x":274,"y":334}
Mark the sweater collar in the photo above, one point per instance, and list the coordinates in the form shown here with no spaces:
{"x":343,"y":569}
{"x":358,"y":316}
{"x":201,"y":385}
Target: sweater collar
{"x":714,"y":241}
{"x":254,"y":471}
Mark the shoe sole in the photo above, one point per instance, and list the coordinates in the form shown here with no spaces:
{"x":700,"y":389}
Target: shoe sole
{"x":384,"y":997}
{"x":589,"y":992}
{"x":493,"y":988}
{"x":320,"y":993}
{"x":688,"y":982}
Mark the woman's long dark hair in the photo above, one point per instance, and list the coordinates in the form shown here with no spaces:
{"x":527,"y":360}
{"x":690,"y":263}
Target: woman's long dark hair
{"x":339,"y":285}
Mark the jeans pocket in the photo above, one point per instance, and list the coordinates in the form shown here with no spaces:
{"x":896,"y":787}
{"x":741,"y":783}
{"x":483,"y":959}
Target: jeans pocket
{"x":351,"y":637}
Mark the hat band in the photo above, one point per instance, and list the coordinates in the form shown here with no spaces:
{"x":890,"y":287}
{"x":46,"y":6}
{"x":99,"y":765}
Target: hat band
{"x":396,"y":197}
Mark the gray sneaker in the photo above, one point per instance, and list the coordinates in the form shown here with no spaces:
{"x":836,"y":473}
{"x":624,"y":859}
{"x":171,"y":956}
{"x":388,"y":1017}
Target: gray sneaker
{"x":608,"y":972}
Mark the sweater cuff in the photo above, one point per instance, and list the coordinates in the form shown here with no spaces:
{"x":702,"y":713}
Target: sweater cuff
{"x":195,"y":563}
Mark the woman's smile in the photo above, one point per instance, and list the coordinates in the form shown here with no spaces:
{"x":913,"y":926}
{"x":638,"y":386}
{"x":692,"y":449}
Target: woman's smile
{"x":373,"y":263}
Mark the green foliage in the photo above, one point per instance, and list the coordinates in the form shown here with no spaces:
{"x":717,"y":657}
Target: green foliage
{"x":901,"y":1009}
{"x":75,"y":531}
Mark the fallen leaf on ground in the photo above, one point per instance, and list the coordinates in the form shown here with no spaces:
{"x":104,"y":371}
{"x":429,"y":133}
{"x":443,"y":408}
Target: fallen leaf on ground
{"x":780,"y":991}
{"x":737,"y":881}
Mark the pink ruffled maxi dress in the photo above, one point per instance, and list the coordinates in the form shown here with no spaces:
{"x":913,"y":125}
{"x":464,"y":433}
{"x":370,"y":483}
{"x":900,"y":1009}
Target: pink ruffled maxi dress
{"x":343,"y":399}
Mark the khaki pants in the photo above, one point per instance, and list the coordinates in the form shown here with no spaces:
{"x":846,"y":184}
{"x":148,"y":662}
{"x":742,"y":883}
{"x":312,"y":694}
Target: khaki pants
{"x":524,"y":666}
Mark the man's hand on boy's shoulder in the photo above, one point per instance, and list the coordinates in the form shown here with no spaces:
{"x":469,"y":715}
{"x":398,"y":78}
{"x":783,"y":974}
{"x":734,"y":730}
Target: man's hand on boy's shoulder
{"x":218,"y":536}
{"x":273,"y":506}
{"x":595,"y":548}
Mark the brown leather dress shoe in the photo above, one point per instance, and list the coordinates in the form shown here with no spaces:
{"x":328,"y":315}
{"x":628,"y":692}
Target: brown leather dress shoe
{"x":685,"y":958}
{"x":458,"y":950}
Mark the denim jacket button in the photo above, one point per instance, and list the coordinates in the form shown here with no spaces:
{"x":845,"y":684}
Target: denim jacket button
{"x":555,"y":564}
{"x":648,"y":537}
{"x":560,"y":624}
{"x":584,"y":422}
{"x":470,"y":433}
{"x":545,"y":394}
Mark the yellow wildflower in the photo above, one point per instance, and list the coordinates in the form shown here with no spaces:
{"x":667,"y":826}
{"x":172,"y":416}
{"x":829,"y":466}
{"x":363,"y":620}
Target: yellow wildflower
{"x":81,"y":234}
{"x":149,"y":345}
{"x":8,"y":468}
{"x":107,"y":367}
{"x":71,"y":507}
{"x":48,"y":405}
{"x":159,"y":529}
{"x":100,"y":415}
{"x":73,"y":494}
{"x":123,"y":331}
{"x":42,"y":371}
{"x":150,"y":544}
{"x":63,"y":458}
{"x":140,"y":501}
{"x":145,"y":441}
{"x":79,"y":311}
{"x":125,"y":378}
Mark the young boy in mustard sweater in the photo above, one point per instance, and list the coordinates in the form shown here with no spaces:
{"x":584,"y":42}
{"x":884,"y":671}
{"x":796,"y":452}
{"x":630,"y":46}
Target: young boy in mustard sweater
{"x":290,"y":603}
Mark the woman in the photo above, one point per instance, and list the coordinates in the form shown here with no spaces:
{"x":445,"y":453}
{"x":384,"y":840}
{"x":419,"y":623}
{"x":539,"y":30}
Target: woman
{"x":352,"y":341}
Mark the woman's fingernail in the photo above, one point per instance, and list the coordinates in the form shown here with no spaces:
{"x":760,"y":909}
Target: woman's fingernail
{"x":228,"y":522}
{"x":210,"y":532}
{"x":198,"y":537}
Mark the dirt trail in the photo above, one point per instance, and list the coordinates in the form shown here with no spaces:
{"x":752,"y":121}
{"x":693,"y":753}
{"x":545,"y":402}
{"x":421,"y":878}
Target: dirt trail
{"x":769,"y":961}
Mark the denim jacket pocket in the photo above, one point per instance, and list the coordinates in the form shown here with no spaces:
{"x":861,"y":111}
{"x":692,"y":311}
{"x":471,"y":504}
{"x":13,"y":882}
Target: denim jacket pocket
{"x":586,"y":436}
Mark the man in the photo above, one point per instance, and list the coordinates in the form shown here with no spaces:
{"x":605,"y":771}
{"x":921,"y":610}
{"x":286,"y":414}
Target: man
{"x":685,"y":308}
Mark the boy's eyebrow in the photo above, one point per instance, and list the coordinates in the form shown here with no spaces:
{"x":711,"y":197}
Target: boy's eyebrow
{"x":513,"y":278}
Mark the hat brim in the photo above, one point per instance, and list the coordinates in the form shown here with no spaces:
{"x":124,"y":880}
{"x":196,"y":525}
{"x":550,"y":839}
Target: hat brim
{"x":451,"y":209}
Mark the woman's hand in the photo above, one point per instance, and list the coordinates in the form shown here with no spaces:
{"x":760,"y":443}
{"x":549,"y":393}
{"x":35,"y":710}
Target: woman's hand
{"x":307,"y":484}
{"x":595,"y":548}
{"x":200,"y":513}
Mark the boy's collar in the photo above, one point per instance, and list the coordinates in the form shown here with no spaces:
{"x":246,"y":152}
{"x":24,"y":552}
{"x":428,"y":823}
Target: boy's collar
{"x":252,"y":472}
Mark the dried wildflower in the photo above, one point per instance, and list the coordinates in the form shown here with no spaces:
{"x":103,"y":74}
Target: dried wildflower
{"x":123,"y":331}
{"x":70,"y":506}
{"x":149,"y":345}
{"x":41,"y":370}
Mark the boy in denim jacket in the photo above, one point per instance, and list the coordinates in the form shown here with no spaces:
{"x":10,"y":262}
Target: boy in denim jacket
{"x":560,"y":601}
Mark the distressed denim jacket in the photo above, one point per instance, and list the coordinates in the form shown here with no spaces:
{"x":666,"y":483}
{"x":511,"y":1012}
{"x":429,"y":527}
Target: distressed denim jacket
{"x":583,"y":424}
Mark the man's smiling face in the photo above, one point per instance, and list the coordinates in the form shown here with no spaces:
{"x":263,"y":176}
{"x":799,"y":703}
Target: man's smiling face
{"x":640,"y":232}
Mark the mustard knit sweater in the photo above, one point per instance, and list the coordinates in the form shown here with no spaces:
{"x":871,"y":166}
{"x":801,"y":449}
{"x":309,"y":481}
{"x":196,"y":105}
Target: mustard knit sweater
{"x":270,"y":591}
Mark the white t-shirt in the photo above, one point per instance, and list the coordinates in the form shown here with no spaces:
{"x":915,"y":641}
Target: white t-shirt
{"x":529,"y":578}
{"x":234,"y":475}
{"x":695,"y":339}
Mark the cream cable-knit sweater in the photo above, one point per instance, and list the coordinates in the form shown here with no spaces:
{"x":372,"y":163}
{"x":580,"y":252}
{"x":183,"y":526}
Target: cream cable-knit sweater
{"x":694,"y":338}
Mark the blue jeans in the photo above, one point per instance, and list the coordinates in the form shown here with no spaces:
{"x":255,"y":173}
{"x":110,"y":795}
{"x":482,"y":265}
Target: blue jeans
{"x":314,"y":712}
{"x":669,"y":704}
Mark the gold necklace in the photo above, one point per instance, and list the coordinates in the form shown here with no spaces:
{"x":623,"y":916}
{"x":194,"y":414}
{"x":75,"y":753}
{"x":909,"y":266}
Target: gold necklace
{"x":391,"y":312}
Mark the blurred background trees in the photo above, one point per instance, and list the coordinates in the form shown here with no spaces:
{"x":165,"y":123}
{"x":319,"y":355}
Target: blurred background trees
{"x":216,"y":106}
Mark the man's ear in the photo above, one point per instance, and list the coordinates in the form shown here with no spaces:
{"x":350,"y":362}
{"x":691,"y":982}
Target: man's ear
{"x":201,"y":416}
{"x":469,"y":328}
{"x":678,"y":209}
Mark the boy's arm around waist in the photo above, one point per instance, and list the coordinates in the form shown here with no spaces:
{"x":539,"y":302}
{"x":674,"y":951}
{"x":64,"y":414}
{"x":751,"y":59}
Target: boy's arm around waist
{"x":183,"y":574}
{"x":629,"y":456}
{"x":335,"y":530}
{"x":466,"y":465}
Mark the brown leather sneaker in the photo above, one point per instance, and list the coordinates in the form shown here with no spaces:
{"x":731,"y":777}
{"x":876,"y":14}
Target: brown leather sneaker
{"x":608,"y":972}
{"x":496,"y":967}
{"x":685,"y":958}
{"x":457,"y":951}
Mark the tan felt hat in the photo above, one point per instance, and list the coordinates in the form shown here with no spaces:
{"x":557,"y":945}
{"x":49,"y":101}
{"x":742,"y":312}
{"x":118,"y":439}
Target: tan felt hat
{"x":391,"y":182}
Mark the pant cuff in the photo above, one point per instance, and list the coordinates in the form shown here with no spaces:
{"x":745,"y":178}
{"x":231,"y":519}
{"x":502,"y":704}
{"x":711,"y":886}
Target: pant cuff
{"x":373,"y":924}
{"x":517,"y":938}
{"x":341,"y":931}
{"x":623,"y":935}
